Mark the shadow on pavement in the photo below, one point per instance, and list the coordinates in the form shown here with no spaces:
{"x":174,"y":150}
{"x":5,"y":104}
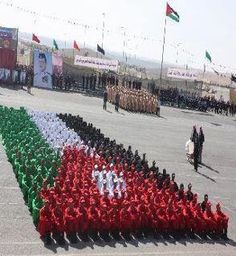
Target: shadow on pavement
{"x":131,"y":240}
{"x":206,"y":176}
{"x":209,"y":167}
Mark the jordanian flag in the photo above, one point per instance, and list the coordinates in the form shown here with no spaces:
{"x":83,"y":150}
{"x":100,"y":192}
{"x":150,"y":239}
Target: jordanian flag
{"x":76,"y":181}
{"x":170,"y":12}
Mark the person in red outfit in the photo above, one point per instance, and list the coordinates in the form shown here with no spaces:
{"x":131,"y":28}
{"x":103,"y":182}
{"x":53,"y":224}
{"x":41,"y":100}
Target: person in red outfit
{"x":93,"y":217}
{"x":58,"y":223}
{"x":222,"y":221}
{"x":172,"y":219}
{"x":105,"y":221}
{"x":200,"y":227}
{"x":163,"y":224}
{"x":70,"y":221}
{"x":211,"y":224}
{"x":82,"y":218}
{"x":45,"y":222}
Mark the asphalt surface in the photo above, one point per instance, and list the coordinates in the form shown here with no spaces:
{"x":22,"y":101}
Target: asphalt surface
{"x":163,"y":139}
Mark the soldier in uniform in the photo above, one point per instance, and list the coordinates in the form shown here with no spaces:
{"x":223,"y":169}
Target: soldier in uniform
{"x":43,"y":78}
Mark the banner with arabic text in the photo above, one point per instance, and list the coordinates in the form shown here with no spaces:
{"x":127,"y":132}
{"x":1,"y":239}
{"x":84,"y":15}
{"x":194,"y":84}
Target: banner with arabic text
{"x":97,"y":63}
{"x":182,"y":74}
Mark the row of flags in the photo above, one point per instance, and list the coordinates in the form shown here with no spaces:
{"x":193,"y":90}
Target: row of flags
{"x":171,"y":13}
{"x":36,"y":39}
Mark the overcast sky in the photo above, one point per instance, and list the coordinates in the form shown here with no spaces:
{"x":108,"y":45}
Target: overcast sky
{"x":204,"y":24}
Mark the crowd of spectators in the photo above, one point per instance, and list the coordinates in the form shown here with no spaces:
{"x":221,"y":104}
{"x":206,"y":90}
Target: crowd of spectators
{"x":21,"y":75}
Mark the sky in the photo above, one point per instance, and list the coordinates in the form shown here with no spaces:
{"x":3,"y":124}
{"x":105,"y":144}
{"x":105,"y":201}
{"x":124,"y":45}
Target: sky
{"x":135,"y":27}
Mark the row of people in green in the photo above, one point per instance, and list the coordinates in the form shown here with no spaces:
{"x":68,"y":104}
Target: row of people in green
{"x":34,"y":162}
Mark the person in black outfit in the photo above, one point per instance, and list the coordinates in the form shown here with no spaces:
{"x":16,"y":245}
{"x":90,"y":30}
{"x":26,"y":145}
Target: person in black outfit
{"x":195,"y":152}
{"x":176,"y":188}
{"x":201,"y":139}
{"x":87,"y":82}
{"x":180,"y":193}
{"x":204,"y":203}
{"x":117,"y":102}
{"x":83,"y":81}
{"x":189,"y":193}
{"x":105,"y":96}
{"x":194,"y":133}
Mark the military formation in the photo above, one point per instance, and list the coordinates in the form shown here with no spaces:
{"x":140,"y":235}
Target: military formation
{"x":133,"y":100}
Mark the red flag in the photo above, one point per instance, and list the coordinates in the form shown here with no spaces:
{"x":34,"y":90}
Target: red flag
{"x":35,"y":38}
{"x":76,"y":46}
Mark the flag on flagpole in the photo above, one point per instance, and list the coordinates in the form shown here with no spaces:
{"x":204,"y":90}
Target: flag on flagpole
{"x":171,"y":13}
{"x":76,"y":46}
{"x":216,"y":71}
{"x":35,"y":38}
{"x":233,"y":78}
{"x":208,"y":56}
{"x":100,"y":49}
{"x":55,"y":44}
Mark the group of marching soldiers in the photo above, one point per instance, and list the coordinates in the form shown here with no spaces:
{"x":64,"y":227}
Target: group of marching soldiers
{"x":133,"y":100}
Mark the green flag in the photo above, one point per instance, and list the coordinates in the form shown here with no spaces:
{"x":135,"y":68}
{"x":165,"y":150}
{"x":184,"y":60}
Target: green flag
{"x":208,"y":56}
{"x":55,"y":44}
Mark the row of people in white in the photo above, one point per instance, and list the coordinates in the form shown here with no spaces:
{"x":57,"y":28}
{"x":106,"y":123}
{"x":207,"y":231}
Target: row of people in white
{"x":54,"y":130}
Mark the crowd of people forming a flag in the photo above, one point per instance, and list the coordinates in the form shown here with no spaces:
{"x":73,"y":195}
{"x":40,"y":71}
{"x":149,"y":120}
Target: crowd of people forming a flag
{"x":78,"y":182}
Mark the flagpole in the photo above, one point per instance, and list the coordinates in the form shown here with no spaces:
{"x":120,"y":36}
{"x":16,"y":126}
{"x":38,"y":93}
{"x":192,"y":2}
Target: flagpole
{"x":163,"y":50}
{"x":103,"y":29}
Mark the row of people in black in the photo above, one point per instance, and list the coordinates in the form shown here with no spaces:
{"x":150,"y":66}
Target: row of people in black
{"x":86,"y":82}
{"x":92,"y":81}
{"x":184,"y":99}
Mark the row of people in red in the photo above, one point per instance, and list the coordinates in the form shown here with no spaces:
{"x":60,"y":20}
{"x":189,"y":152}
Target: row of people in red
{"x":74,"y":204}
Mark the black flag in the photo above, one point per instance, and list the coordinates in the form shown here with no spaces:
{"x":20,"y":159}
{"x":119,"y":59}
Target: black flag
{"x":233,"y":78}
{"x":99,"y":49}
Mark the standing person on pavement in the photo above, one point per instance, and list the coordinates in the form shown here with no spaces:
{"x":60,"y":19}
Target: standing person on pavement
{"x":201,"y":139}
{"x":117,"y":101}
{"x":105,"y":97}
{"x":195,"y":152}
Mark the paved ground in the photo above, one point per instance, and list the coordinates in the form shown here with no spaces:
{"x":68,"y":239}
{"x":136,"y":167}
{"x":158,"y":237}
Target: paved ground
{"x":163,"y":139}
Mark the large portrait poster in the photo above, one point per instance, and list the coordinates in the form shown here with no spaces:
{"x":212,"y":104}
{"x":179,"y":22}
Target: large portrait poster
{"x":42,"y":69}
{"x":8,"y":38}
